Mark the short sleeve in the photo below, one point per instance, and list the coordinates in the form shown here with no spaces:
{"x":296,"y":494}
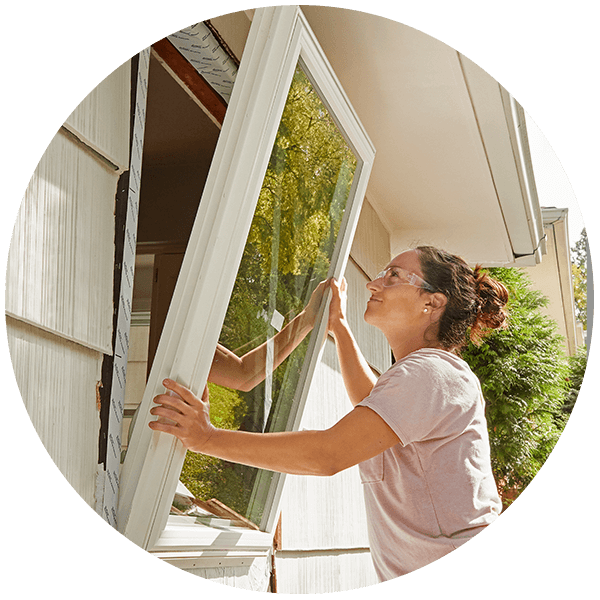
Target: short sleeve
{"x":422,"y":397}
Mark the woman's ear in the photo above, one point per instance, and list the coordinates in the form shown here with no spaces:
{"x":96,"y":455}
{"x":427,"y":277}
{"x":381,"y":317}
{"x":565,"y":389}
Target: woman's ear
{"x":437,"y":301}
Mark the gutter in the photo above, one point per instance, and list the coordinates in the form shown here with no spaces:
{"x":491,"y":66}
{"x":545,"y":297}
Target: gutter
{"x":503,"y":134}
{"x":517,"y":130}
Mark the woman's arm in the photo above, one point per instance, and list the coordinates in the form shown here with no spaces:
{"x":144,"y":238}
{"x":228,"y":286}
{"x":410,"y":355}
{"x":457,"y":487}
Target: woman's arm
{"x":360,"y":435}
{"x":246,"y":372}
{"x":359,"y":378}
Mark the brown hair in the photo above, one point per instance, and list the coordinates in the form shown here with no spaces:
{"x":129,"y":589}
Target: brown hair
{"x":476,"y":302}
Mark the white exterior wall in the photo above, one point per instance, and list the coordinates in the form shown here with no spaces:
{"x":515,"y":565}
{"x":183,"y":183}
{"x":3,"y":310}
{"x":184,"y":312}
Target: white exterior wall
{"x":59,"y":287}
{"x":325,"y":572}
{"x":324,"y":539}
{"x":57,"y":380}
{"x":60,"y":265}
{"x":253,"y":577}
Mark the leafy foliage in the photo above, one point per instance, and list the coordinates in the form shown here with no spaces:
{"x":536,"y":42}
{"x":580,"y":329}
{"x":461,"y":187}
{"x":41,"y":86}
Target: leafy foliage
{"x":288,"y":252}
{"x":577,"y":366}
{"x":523,"y":372}
{"x":207,"y":477}
{"x":579,"y":273}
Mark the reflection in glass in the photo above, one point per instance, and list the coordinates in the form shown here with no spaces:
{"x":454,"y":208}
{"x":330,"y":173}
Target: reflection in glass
{"x":288,"y":252}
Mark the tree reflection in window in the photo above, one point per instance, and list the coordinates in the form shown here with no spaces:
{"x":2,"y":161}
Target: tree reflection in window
{"x":288,"y":252}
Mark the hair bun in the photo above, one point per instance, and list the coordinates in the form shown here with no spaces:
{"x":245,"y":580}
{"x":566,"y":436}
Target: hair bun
{"x":475,"y":302}
{"x":492,"y":298}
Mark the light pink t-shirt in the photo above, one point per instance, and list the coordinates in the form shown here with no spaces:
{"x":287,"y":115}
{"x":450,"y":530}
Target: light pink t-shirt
{"x":435,"y":490}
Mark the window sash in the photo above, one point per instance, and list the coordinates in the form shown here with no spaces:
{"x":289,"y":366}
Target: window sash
{"x":278,"y":38}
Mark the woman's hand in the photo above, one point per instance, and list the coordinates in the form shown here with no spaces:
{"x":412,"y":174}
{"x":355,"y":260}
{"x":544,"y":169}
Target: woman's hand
{"x":337,"y":306}
{"x":312,"y":308}
{"x":188,"y":417}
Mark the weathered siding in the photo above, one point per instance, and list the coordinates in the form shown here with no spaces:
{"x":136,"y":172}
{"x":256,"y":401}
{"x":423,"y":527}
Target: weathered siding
{"x":61,"y":259}
{"x":324,"y":512}
{"x":59,"y":286}
{"x":371,"y":246}
{"x":102,"y":119}
{"x":57,"y":380}
{"x":371,"y":341}
{"x":254,"y":577}
{"x":299,"y":573}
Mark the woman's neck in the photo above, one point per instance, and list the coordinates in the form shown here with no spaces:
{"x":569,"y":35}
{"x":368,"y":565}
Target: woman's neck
{"x":406,"y":346}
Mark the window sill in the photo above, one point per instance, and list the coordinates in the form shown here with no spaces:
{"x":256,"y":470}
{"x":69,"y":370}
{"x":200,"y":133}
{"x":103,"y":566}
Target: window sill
{"x":184,"y":540}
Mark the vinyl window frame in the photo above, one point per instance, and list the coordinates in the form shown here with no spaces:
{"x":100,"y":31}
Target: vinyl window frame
{"x":279,"y":38}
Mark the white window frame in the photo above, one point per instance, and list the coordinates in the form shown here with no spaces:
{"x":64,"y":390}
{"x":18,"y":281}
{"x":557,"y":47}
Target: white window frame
{"x":278,"y":38}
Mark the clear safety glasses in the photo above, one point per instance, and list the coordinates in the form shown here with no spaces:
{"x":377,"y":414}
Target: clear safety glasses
{"x":398,"y":276}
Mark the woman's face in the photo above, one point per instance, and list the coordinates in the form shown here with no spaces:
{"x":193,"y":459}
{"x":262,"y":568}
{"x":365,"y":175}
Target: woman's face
{"x":399,"y":304}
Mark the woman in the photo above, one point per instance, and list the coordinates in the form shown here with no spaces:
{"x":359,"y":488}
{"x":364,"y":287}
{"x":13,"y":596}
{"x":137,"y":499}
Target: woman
{"x":418,"y":433}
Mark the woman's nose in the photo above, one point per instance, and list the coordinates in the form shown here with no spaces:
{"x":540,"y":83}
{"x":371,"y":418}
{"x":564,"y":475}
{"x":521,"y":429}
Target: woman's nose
{"x":374,"y":285}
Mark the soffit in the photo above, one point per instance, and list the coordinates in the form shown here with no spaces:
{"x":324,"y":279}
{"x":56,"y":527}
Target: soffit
{"x":431,"y":181}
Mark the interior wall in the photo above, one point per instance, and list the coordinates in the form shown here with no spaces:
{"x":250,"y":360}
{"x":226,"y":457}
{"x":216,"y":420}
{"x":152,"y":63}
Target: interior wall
{"x":179,"y":143}
{"x":169,"y":201}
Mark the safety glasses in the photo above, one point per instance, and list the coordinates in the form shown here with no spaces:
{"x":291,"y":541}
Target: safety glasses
{"x":398,"y":276}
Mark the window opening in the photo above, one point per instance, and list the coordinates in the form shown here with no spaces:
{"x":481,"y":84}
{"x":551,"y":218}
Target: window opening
{"x":179,"y":143}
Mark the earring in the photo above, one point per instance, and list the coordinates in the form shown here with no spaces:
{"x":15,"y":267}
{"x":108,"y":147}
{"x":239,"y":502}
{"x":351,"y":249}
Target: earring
{"x":425,"y":310}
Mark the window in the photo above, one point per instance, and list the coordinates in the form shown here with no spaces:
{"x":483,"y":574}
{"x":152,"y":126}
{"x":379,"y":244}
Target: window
{"x":253,"y":258}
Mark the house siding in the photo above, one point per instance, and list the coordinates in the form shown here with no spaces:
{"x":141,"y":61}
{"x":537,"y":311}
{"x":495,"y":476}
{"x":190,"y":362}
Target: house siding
{"x":324,"y":573}
{"x":59,"y":286}
{"x":324,"y":541}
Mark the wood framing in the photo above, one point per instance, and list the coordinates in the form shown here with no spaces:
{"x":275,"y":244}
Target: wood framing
{"x":209,"y":100}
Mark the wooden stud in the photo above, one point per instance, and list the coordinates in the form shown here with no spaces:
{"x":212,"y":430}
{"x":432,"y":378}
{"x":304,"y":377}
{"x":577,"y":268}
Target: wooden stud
{"x":214,"y":104}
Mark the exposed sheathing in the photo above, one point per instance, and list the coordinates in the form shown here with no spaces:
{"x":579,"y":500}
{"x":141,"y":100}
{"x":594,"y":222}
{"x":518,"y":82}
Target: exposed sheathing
{"x":319,"y":573}
{"x":202,"y":48}
{"x":60,"y":264}
{"x":137,"y":367}
{"x":103,"y":116}
{"x":57,"y":380}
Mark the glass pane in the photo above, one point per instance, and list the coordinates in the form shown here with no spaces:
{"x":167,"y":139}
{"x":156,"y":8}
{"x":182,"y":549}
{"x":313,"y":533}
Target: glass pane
{"x":288,"y":252}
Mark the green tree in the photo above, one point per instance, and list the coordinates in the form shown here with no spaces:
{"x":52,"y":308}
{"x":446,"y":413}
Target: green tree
{"x":523,"y":372}
{"x":579,"y":272}
{"x":288,"y":252}
{"x":577,"y":366}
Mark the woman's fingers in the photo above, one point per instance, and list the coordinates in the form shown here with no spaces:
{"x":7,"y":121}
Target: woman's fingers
{"x":181,"y":397}
{"x":340,"y":286}
{"x":183,"y":415}
{"x":164,"y":411}
{"x":165,"y":428}
{"x":175,"y":402}
{"x":185,"y":394}
{"x":338,"y":289}
{"x":205,"y":396}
